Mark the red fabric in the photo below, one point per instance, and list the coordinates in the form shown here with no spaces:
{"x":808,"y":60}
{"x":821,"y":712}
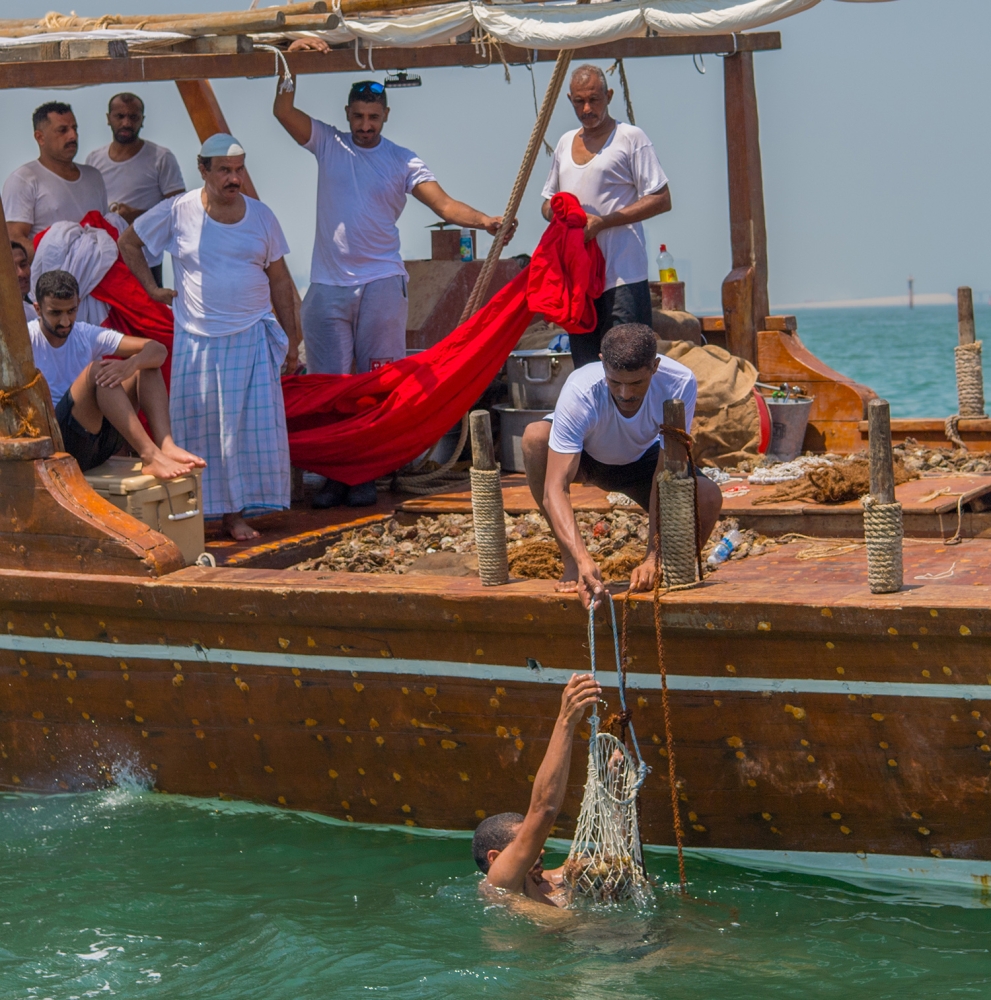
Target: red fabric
{"x":354,"y":428}
{"x":566,"y":274}
{"x":132,"y":310}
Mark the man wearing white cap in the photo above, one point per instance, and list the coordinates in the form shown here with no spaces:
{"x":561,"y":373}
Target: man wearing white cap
{"x":226,"y":399}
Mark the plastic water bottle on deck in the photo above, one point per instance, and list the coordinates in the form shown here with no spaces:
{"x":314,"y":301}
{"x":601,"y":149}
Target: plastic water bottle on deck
{"x":466,"y":248}
{"x":665,"y":265}
{"x":730,"y":542}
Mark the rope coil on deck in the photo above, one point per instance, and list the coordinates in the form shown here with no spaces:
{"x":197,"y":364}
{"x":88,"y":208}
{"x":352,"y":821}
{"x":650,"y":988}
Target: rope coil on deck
{"x":883,"y":533}
{"x":490,"y":526}
{"x":676,"y":499}
{"x":970,"y":379}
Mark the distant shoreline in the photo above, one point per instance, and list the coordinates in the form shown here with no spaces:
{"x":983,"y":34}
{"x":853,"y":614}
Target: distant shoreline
{"x":925,"y":299}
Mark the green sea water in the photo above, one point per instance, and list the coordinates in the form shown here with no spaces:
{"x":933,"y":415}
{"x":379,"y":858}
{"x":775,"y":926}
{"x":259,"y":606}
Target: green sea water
{"x":128,"y":893}
{"x":905,"y":355}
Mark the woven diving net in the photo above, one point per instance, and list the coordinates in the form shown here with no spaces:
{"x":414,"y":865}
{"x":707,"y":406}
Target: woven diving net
{"x":605,"y":863}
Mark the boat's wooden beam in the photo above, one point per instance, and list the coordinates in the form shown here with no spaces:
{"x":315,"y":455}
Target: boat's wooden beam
{"x":215,"y":66}
{"x":748,"y":234}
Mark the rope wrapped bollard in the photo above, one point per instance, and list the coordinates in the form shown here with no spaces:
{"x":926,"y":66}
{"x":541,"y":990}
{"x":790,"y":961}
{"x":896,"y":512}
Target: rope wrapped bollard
{"x":488,"y":515}
{"x":883,"y":530}
{"x":970,"y":379}
{"x":676,"y":502}
{"x":883,"y":533}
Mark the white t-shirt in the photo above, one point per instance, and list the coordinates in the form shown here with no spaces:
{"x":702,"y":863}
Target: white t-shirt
{"x":142,"y":181}
{"x":586,"y":418}
{"x":625,"y":170}
{"x":34,"y":194}
{"x":30,"y":313}
{"x":220,"y":279}
{"x":360,"y":195}
{"x":61,"y":365}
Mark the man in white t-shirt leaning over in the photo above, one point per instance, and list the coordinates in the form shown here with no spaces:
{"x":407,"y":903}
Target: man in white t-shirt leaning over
{"x":356,"y":306}
{"x":97,"y":397}
{"x":604,"y":431}
{"x":228,"y":255}
{"x":52,"y":188}
{"x":138,"y":173}
{"x":613,"y":170}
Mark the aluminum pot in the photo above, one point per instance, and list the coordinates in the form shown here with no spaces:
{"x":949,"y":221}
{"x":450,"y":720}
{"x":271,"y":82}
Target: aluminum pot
{"x":536,"y":377}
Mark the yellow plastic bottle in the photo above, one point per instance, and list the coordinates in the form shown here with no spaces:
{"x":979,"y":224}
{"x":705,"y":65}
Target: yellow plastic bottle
{"x":665,"y":265}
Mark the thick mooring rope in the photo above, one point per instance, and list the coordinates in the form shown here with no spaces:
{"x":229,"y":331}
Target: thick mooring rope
{"x":970,"y":379}
{"x":883,"y":533}
{"x":676,"y":499}
{"x":490,"y":526}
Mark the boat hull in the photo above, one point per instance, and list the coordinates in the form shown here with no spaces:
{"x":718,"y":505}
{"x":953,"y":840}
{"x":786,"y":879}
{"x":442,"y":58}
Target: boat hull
{"x":798,"y":727}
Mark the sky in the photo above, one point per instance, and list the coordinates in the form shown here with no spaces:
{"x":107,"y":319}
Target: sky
{"x":875,"y":152}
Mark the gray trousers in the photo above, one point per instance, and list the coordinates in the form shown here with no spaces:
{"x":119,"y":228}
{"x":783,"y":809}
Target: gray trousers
{"x":343,"y":324}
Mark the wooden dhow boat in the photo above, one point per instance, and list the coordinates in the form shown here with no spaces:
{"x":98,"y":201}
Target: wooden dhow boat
{"x":817,"y":726}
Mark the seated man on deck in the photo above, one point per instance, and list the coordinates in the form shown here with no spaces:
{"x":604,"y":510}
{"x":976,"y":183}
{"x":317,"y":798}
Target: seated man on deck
{"x":605,"y":431}
{"x":97,"y":397}
{"x":509,"y":847}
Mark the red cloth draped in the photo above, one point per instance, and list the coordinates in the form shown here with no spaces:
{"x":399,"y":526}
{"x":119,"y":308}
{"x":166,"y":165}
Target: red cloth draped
{"x":132,"y":310}
{"x":354,"y":428}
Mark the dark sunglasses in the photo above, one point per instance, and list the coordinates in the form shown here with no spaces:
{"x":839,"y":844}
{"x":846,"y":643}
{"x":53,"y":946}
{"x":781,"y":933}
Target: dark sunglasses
{"x":367,"y":86}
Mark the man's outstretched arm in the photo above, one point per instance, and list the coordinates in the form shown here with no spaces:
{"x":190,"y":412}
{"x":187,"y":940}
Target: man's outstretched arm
{"x":509,"y":869}
{"x":431,"y":194}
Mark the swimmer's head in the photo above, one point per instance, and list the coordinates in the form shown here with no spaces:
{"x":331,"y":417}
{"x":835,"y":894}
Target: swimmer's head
{"x":492,"y":836}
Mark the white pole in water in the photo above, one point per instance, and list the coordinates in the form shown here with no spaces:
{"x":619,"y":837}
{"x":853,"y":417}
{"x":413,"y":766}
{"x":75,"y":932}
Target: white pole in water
{"x":911,"y":292}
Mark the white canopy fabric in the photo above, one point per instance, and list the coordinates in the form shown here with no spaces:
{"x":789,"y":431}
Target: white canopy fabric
{"x":551,"y":25}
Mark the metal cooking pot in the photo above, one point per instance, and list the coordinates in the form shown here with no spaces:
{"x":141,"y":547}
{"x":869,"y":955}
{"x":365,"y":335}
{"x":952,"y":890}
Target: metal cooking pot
{"x":536,"y":377}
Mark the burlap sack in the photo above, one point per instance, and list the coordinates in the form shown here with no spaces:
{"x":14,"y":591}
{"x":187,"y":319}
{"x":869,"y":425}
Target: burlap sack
{"x":726,"y":427}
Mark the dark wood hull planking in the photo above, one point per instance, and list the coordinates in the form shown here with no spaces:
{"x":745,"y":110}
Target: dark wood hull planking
{"x":807,"y":714}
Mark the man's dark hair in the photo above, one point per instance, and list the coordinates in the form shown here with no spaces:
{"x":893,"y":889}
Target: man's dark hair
{"x":359,"y":92}
{"x":629,"y":347}
{"x":57,"y":284}
{"x":14,"y":245}
{"x":493,"y":834}
{"x":42,"y":111}
{"x":204,"y":161}
{"x":127,"y":98}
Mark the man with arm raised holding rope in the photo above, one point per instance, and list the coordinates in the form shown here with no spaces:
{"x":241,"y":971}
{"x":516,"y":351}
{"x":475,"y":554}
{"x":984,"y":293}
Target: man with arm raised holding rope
{"x":509,"y":847}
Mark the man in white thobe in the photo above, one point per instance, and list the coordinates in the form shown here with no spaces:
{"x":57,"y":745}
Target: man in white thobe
{"x":226,"y":398}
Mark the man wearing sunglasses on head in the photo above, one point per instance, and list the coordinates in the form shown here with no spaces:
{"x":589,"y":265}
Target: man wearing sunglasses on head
{"x":354,"y":312}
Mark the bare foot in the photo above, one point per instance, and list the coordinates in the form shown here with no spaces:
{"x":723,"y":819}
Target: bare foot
{"x":163,"y":467}
{"x":239,"y":529}
{"x":172,"y":450}
{"x":568,"y":584}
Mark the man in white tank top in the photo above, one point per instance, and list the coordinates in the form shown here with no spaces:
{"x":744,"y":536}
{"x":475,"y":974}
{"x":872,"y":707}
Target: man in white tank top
{"x":613,"y":170}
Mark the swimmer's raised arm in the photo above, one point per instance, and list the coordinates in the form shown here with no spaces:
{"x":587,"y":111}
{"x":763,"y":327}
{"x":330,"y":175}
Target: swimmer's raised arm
{"x":509,"y":868}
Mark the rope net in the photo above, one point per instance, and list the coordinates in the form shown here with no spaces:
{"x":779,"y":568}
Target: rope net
{"x":605,"y":863}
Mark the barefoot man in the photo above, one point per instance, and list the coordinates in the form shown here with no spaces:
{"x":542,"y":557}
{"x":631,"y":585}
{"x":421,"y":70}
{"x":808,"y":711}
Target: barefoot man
{"x":228,"y":253}
{"x":509,"y":847}
{"x":605,"y":431}
{"x":97,"y":396}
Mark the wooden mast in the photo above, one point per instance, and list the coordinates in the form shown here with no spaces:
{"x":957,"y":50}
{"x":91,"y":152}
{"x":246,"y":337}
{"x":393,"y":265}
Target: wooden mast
{"x":745,"y":301}
{"x":29,"y":412}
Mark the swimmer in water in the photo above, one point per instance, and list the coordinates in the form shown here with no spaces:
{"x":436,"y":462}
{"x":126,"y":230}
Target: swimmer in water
{"x":509,"y":847}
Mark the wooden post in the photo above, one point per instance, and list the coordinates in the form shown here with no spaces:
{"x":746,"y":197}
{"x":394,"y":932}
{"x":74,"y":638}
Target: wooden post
{"x":207,"y":118}
{"x":748,"y":235}
{"x":17,"y":359}
{"x":965,"y":316}
{"x":675,"y":456}
{"x":482,"y":447}
{"x":488,"y":513}
{"x":882,"y":462}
